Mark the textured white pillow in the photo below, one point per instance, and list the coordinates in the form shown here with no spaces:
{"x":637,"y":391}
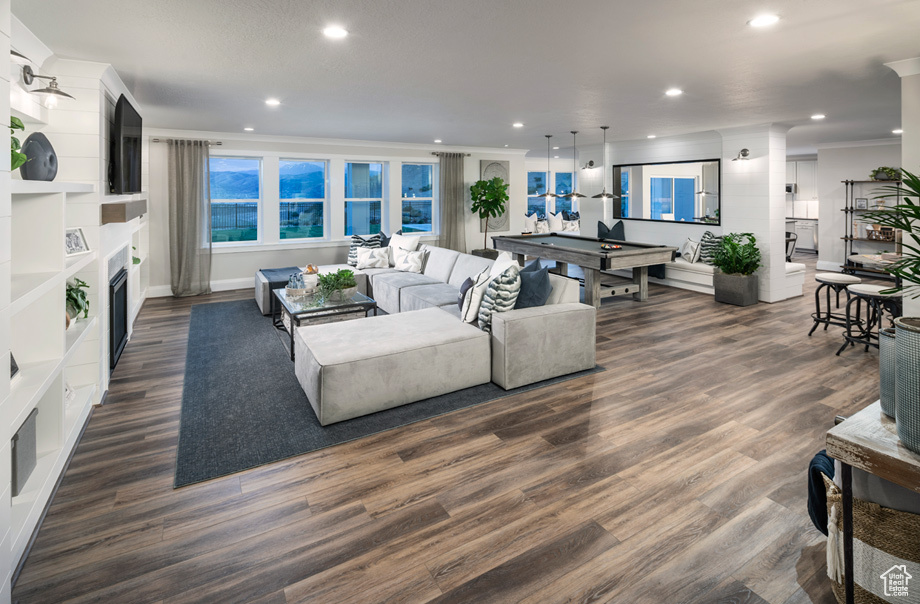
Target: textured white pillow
{"x":530,"y":223}
{"x":555,"y":221}
{"x":410,"y":262}
{"x":690,"y":250}
{"x":404,"y":242}
{"x":373,"y":258}
{"x":473,"y":299}
{"x":501,"y":263}
{"x":571,"y":226}
{"x":542,"y":227}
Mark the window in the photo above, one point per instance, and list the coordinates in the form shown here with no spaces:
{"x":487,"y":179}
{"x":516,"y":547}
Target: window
{"x":417,"y":198}
{"x":565,"y":183}
{"x":536,"y":185}
{"x":305,"y":182}
{"x":624,"y":194}
{"x":672,"y":199}
{"x":235,"y":194}
{"x":363,"y":198}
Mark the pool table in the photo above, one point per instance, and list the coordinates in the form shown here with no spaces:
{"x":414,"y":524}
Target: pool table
{"x":586,"y":252}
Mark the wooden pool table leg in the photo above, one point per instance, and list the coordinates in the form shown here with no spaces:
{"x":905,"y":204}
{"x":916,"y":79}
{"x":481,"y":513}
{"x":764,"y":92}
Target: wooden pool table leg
{"x":640,"y":276}
{"x":520,"y":259}
{"x":592,"y":287}
{"x":562,"y":268}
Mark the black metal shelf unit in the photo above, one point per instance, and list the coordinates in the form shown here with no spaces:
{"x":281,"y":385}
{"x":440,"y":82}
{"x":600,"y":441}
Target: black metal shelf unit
{"x":850,"y":235}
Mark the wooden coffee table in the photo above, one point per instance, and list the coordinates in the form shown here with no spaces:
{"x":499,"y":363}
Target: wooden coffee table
{"x":315,"y":309}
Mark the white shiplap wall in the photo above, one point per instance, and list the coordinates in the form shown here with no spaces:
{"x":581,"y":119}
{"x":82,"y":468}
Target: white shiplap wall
{"x":6,"y":429}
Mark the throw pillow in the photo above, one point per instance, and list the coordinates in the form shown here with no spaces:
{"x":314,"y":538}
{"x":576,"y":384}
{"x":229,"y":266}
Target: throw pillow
{"x":689,"y":250}
{"x":555,"y":222}
{"x":530,"y":223}
{"x":571,"y":226}
{"x":542,"y":227}
{"x":571,"y":215}
{"x":464,"y":291}
{"x":535,"y":288}
{"x":371,"y":241}
{"x":500,"y":296}
{"x":709,"y":242}
{"x":473,"y":300}
{"x":501,"y":263}
{"x":533,"y":266}
{"x":617,"y":232}
{"x":373,"y":258}
{"x":410,"y":262}
{"x":398,"y":241}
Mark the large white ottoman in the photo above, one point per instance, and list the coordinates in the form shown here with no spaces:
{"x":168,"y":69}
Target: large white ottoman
{"x":355,"y":368}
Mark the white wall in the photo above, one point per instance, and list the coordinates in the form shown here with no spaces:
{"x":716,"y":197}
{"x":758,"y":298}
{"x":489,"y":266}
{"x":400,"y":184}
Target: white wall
{"x":235,"y":267}
{"x":848,"y":161}
{"x":6,"y":430}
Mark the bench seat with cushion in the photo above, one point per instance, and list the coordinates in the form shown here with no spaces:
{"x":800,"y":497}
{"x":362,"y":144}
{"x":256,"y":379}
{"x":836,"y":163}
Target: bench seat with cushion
{"x":354,"y":368}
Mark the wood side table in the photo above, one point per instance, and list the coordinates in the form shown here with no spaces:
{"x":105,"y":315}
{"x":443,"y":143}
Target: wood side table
{"x":869,"y":441}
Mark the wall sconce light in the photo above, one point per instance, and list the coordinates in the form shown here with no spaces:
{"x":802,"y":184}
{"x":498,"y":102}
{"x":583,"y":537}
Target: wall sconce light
{"x":589,"y":165}
{"x":50,"y":94}
{"x":743,"y":154}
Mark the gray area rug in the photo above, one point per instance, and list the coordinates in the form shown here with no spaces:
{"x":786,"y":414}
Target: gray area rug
{"x":242,"y":406}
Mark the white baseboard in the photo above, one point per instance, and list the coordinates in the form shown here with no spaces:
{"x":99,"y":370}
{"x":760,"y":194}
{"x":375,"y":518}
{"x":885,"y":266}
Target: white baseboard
{"x":162,"y":291}
{"x":828,"y":266}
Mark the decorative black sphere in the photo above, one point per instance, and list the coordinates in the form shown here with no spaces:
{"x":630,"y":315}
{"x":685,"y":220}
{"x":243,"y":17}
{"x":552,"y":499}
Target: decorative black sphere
{"x":42,"y":164}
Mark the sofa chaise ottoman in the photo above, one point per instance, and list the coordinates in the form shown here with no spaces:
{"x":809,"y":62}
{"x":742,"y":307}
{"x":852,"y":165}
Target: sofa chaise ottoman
{"x":355,"y":368}
{"x":263,"y":291}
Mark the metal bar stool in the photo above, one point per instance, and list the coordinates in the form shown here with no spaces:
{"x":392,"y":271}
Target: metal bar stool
{"x":831,"y":281}
{"x":877,"y":304}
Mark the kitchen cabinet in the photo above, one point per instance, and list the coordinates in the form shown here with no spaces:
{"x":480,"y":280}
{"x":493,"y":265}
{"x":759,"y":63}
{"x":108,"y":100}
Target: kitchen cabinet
{"x":807,"y":232}
{"x":806,"y":180}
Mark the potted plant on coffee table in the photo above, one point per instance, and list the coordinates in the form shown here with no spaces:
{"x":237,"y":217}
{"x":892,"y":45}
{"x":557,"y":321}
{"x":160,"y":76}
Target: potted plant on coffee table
{"x":337,"y":286}
{"x":489,"y":197}
{"x":737,"y":259}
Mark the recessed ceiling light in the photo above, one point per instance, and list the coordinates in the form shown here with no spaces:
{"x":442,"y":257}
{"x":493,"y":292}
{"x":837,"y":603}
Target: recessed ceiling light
{"x":818,"y":116}
{"x":674,"y":92}
{"x":555,"y":148}
{"x":763,"y":20}
{"x":518,"y":125}
{"x":272,"y":102}
{"x":506,"y":145}
{"x":248,"y":129}
{"x":651,"y":136}
{"x":897,"y":131}
{"x":437,"y":140}
{"x":335,"y":32}
{"x":555,"y":157}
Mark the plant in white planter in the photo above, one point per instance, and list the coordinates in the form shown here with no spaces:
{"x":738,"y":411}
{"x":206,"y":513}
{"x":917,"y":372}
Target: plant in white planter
{"x":489,"y":197}
{"x":737,"y":259}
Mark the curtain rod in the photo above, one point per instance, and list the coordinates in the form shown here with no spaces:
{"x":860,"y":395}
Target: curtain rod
{"x":440,"y":152}
{"x":166,"y":140}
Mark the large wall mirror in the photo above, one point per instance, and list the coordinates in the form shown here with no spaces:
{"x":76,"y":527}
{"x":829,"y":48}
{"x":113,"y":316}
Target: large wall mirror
{"x":686,"y":191}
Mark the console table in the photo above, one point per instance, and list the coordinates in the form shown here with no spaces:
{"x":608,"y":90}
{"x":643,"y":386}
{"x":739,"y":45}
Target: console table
{"x":869,"y":441}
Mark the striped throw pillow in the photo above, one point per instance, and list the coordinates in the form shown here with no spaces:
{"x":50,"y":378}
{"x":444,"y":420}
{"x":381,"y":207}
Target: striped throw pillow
{"x":500,"y":296}
{"x":371,"y":241}
{"x":708,"y":245}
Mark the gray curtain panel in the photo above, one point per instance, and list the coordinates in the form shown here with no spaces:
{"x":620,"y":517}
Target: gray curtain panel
{"x":453,"y":212}
{"x":189,"y":217}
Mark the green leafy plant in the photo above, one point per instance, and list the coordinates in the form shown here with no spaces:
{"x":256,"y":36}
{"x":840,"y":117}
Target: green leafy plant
{"x":17,"y":158}
{"x":329,"y":283}
{"x":77,"y":300}
{"x":737,"y":254}
{"x":135,"y":259}
{"x":489,"y":197}
{"x":891,"y":173}
{"x":904,"y":216}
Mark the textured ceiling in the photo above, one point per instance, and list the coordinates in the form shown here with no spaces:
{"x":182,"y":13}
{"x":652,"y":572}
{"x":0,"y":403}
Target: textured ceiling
{"x":464,"y":70}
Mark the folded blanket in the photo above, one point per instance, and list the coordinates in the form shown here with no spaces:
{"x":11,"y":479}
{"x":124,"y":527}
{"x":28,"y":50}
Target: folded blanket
{"x":278,"y":277}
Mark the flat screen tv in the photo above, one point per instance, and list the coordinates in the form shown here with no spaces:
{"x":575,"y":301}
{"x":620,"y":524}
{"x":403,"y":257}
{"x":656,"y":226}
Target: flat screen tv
{"x":125,"y":154}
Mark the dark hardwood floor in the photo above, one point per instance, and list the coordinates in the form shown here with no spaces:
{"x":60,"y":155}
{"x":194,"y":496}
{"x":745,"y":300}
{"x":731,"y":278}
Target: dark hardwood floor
{"x":678,"y":475}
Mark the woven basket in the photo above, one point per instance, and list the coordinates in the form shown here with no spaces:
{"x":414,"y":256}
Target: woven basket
{"x":907,"y":416}
{"x":883,"y":539}
{"x":887,"y":370}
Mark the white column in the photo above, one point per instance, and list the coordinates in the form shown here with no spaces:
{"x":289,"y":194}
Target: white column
{"x":753,"y":198}
{"x":6,"y":430}
{"x":909,"y":71}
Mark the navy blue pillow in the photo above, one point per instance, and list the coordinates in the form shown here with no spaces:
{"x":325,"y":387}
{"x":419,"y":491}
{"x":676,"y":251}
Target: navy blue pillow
{"x":617,"y":232}
{"x":533,"y":266}
{"x":464,"y":290}
{"x":535,"y":288}
{"x":571,"y":215}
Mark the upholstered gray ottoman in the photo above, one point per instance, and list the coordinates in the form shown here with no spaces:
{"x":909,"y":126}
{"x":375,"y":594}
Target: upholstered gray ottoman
{"x":355,"y":368}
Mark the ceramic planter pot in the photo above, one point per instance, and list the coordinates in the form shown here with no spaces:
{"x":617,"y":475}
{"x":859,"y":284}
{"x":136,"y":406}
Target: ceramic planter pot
{"x":907,"y":389}
{"x":740,"y":290}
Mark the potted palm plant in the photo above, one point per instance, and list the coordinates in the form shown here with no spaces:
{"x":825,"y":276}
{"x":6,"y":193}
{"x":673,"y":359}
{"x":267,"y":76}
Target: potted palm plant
{"x":489,"y":197}
{"x":737,"y":259}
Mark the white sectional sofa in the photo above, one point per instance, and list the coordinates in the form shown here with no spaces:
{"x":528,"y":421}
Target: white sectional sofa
{"x":421,"y":348}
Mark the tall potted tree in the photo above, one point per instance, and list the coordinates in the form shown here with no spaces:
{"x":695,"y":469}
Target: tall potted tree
{"x":737,"y":258}
{"x":489,"y":197}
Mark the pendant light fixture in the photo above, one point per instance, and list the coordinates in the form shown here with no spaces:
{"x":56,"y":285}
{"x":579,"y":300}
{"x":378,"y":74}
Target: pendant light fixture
{"x":547,"y":193}
{"x":574,"y":194}
{"x":605,"y":194}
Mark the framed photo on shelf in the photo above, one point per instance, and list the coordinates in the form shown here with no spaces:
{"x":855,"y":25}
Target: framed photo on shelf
{"x":862,"y":203}
{"x":75,"y":243}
